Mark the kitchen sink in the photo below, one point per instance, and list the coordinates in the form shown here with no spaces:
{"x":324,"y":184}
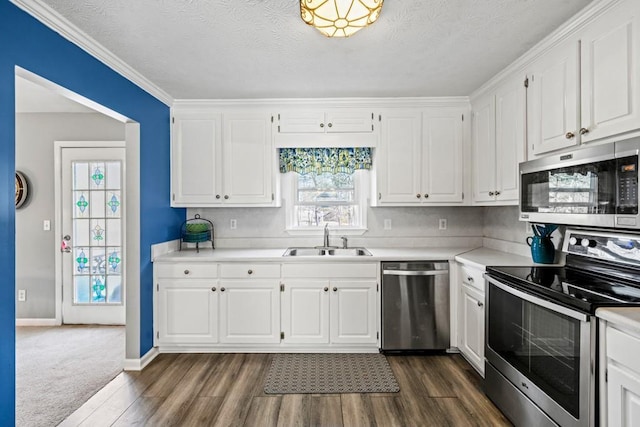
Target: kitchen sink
{"x":326,"y":251}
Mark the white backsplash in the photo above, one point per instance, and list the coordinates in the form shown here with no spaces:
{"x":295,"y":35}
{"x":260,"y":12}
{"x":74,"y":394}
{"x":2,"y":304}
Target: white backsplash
{"x":411,"y":227}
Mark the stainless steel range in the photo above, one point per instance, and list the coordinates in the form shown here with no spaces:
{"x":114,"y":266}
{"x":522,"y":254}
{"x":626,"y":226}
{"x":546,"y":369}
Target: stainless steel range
{"x":541,"y":329}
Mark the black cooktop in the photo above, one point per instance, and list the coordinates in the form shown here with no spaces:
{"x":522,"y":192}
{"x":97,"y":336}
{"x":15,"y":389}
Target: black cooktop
{"x":582,"y":287}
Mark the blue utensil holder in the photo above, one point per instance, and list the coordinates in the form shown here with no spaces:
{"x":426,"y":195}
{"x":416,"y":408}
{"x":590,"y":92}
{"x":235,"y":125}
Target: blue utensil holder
{"x":542,"y":249}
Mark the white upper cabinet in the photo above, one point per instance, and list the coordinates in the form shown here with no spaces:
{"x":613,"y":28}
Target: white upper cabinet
{"x":553,"y":94}
{"x":196,"y":149}
{"x":483,"y":137}
{"x":248,"y":159}
{"x":498,"y":138}
{"x":420,"y":157}
{"x":222,"y":159}
{"x":334,"y":121}
{"x":588,"y":87}
{"x":610,"y":73}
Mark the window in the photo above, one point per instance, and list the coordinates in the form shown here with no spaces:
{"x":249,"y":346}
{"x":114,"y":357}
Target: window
{"x":326,"y":199}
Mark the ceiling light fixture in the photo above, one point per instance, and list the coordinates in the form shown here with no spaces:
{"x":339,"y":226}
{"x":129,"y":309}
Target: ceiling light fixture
{"x":340,"y":18}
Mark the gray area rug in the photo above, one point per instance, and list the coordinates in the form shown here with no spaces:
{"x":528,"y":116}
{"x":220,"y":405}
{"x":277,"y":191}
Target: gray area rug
{"x":330,"y":373}
{"x":60,"y":368}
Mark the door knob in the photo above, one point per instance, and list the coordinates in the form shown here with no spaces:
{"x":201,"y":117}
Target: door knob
{"x":569,"y":135}
{"x":250,"y":272}
{"x":326,"y":288}
{"x":226,"y":197}
{"x":321,"y":125}
{"x":222,"y":289}
{"x":217,"y":196}
{"x":187,"y":272}
{"x":213,"y":289}
{"x":335,"y":289}
{"x":426,"y":196}
{"x":330,"y":125}
{"x":65,"y":246}
{"x":418,"y":195}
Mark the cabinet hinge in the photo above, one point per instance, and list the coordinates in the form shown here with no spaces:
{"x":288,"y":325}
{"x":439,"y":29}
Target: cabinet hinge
{"x":158,"y":287}
{"x":379,"y":117}
{"x":376,"y":287}
{"x":173,"y":119}
{"x":377,"y":335}
{"x":371,"y":116}
{"x":278,"y":128}
{"x":606,"y":375}
{"x":463,"y":117}
{"x":158,"y":335}
{"x":379,"y":196}
{"x":526,"y":82}
{"x":463,"y":195}
{"x":371,"y":128}
{"x":271,"y":119}
{"x":273,"y":197}
{"x":281,"y":335}
{"x":281,"y":287}
{"x":278,"y":116}
{"x":173,"y":197}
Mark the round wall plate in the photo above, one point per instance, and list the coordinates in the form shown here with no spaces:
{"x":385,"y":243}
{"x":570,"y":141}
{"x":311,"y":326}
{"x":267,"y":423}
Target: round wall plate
{"x":22,"y":189}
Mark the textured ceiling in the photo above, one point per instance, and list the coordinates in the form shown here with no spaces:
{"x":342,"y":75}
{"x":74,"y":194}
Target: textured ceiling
{"x":205,"y":49}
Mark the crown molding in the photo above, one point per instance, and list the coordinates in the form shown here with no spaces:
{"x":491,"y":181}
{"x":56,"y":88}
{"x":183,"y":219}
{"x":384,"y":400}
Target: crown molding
{"x":66,"y":29}
{"x":409,"y":102}
{"x":569,"y":28}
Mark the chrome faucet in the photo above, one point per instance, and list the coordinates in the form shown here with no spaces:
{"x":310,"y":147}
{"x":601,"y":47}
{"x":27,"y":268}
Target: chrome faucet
{"x":345,"y":242}
{"x":326,"y":235}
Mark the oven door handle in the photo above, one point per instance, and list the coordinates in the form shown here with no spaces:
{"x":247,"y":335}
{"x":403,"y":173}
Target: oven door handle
{"x":538,"y":301}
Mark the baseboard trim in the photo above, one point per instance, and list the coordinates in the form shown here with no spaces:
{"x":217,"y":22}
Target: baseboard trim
{"x":37,"y":322}
{"x":140,"y":364}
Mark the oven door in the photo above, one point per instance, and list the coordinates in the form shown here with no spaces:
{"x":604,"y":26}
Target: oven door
{"x":544,"y":350}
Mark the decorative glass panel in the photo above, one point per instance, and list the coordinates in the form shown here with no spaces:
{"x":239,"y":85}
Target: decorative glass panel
{"x":97,"y":228}
{"x":81,"y":289}
{"x":113,"y":175}
{"x":114,"y":285}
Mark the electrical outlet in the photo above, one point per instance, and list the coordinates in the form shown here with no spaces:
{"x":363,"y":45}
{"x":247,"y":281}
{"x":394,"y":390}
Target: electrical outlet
{"x":233,"y":224}
{"x":22,"y":294}
{"x":387,"y":224}
{"x":442,"y":224}
{"x":46,"y":225}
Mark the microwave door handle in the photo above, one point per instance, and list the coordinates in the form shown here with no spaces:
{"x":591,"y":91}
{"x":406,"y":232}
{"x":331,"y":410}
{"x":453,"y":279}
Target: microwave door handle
{"x":538,"y":301}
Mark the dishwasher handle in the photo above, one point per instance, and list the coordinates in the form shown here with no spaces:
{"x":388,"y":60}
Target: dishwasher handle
{"x":414,"y":273}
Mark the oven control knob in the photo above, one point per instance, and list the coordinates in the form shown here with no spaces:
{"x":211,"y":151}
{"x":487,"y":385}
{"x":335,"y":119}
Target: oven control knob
{"x":573,"y":241}
{"x":585,"y":243}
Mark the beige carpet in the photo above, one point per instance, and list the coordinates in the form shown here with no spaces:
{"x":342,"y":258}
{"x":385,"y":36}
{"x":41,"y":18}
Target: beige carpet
{"x":59,"y":368}
{"x":292,"y":373}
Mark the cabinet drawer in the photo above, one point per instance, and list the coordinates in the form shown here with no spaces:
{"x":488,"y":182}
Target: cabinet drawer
{"x":623,"y":348}
{"x":183,"y":270}
{"x":247,"y":270}
{"x":472,"y":277}
{"x":324,"y":270}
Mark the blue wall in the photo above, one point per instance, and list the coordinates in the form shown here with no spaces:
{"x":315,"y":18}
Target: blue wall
{"x":25,"y":42}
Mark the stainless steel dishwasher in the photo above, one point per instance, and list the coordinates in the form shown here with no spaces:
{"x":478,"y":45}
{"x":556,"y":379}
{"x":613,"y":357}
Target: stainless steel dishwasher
{"x":415,"y":306}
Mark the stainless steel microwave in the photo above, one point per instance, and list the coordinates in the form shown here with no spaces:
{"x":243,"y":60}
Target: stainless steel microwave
{"x":595,"y":186}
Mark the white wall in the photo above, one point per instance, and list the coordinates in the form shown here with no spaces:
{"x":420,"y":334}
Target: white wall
{"x":411,"y":227}
{"x":35,"y":248}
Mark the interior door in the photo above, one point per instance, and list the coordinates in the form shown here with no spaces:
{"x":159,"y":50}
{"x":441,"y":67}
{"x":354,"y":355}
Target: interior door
{"x":93,"y":200}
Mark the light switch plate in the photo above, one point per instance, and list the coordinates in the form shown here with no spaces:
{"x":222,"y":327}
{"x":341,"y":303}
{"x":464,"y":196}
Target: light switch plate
{"x":442,"y":224}
{"x":22,"y":295}
{"x":46,"y":225}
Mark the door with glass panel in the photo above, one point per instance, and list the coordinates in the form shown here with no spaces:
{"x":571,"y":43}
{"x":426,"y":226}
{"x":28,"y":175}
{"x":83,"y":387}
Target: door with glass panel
{"x":93,"y":235}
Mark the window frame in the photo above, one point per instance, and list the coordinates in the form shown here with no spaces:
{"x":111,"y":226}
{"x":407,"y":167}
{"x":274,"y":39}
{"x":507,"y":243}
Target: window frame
{"x":361,"y":187}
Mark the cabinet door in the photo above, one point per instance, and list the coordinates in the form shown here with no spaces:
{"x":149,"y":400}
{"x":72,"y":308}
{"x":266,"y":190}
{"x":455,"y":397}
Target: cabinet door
{"x":610,"y":72}
{"x":623,"y":397}
{"x":301,"y":122}
{"x":249,"y":311}
{"x":483,"y":137}
{"x":553,"y":89}
{"x":187,"y":312}
{"x":353,"y":312}
{"x":195,"y":158}
{"x":472,"y":333}
{"x":510,"y":138}
{"x":349,"y":121}
{"x":305,"y":312}
{"x":248,"y":159}
{"x":398,"y":170}
{"x":442,"y":168}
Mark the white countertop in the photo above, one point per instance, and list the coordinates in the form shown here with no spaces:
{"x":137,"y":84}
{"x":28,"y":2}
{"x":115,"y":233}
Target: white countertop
{"x":275,"y":255}
{"x":483,"y":257}
{"x":625,"y":317}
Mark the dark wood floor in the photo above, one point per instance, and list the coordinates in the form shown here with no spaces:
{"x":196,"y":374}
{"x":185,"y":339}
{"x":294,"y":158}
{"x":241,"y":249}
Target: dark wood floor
{"x":227,"y":390}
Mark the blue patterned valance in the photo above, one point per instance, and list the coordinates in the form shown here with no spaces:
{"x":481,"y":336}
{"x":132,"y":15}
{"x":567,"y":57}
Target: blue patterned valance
{"x":321,"y":160}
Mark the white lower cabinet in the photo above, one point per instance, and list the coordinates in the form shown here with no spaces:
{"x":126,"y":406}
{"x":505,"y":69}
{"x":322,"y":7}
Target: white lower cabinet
{"x":353,"y":312}
{"x":249,"y":312}
{"x":305,"y":312}
{"x":471,"y":312}
{"x":620,"y":402}
{"x":187,"y":311}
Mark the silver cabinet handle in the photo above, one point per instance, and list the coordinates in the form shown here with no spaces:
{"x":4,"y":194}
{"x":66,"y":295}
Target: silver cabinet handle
{"x":213,"y":289}
{"x":497,"y":193}
{"x":326,"y":288}
{"x":569,"y":135}
{"x":321,"y":125}
{"x":335,"y":289}
{"x":584,"y":131}
{"x":491,"y":193}
{"x":226,"y":197}
{"x":480,"y":304}
{"x":426,"y":196}
{"x":217,"y":196}
{"x":415,"y":273}
{"x":250,"y":272}
{"x":330,"y":125}
{"x":187,"y":272}
{"x":418,"y":195}
{"x":222,"y":289}
{"x":470,"y":279}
